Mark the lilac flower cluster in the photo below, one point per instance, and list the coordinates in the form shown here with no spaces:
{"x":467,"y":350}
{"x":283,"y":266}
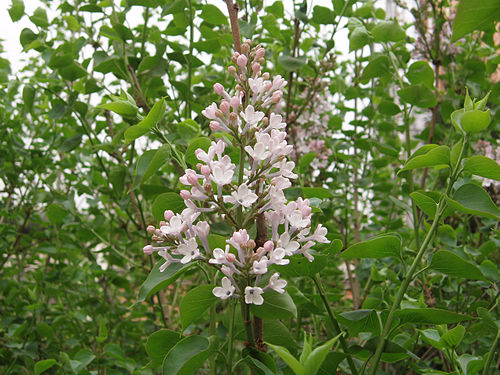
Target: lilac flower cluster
{"x":243,"y":194}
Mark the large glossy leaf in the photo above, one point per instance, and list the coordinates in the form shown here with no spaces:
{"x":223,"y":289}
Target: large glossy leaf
{"x":452,"y":338}
{"x":421,"y":72}
{"x":315,"y":359}
{"x":473,"y":15}
{"x":418,"y":95}
{"x":430,"y":316}
{"x":378,"y":247}
{"x":377,"y":67}
{"x":157,"y":280}
{"x":291,"y":63}
{"x":451,"y":264}
{"x":359,"y":38}
{"x":212,"y":14}
{"x":474,"y":200}
{"x":483,"y":166}
{"x":277,"y":333}
{"x":427,"y":204}
{"x":153,"y":117}
{"x":167,"y":201}
{"x":188,"y":355}
{"x":275,"y":306}
{"x":44,"y":365}
{"x":388,"y":31}
{"x":159,"y":344}
{"x":195,"y":302}
{"x":437,"y":156}
{"x":288,"y":358}
{"x":360,"y":321}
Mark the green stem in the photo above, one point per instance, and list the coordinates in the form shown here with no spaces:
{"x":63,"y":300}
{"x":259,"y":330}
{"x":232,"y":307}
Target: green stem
{"x":491,"y":354}
{"x":245,"y":313}
{"x":409,"y":276}
{"x":335,"y":324}
{"x":231,"y":339}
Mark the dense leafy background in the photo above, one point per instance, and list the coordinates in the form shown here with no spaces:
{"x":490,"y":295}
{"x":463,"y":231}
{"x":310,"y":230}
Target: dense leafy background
{"x":82,"y":177}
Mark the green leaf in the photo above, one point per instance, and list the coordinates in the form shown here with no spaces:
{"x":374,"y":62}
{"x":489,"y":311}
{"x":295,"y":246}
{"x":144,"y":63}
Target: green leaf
{"x":81,"y":360}
{"x":472,"y":15}
{"x":16,"y":10}
{"x":388,"y":31}
{"x":377,"y":67}
{"x":331,"y":363}
{"x":200,"y":142}
{"x":289,"y":359}
{"x":427,"y":204}
{"x":306,"y":160}
{"x":257,"y":367}
{"x":483,"y":166}
{"x":159,"y":344}
{"x":418,"y":95}
{"x":39,"y":18}
{"x":56,"y":213}
{"x":474,"y":200}
{"x":277,"y":333}
{"x":436,"y":156}
{"x":432,"y":337}
{"x":451,"y":264}
{"x":188,"y":355}
{"x":70,"y":143}
{"x":318,"y":355}
{"x":430,"y":316}
{"x":475,"y":121}
{"x":28,"y":98}
{"x":321,"y":193}
{"x":359,"y":38}
{"x":213,"y":15}
{"x":377,"y":247}
{"x":157,"y":280}
{"x":188,"y":129}
{"x":363,"y":320}
{"x":167,"y":201}
{"x":470,"y":364}
{"x":452,"y":338}
{"x":117,"y":176}
{"x":291,"y":63}
{"x":323,"y":15}
{"x":121,"y":107}
{"x":275,"y":306}
{"x":421,"y":72}
{"x":44,"y":365}
{"x":194,"y":304}
{"x":153,"y":117}
{"x":150,"y":162}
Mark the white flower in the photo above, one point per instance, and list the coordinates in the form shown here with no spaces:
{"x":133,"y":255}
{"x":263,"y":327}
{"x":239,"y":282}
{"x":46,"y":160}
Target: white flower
{"x":225,"y":291}
{"x":276,"y":283}
{"x":253,"y":295}
{"x":297,"y":221}
{"x":277,"y":257}
{"x":219,"y":256}
{"x":243,"y":196}
{"x":260,"y":266}
{"x":209,"y":112}
{"x":320,"y":234}
{"x":275,"y":122}
{"x":175,"y":227}
{"x":250,"y":116}
{"x":168,"y":259}
{"x":222,"y":175}
{"x":289,"y":246}
{"x":258,"y":152}
{"x":189,"y":249}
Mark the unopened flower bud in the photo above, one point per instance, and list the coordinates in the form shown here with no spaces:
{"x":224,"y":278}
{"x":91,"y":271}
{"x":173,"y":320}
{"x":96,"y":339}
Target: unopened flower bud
{"x":227,"y":271}
{"x":235,"y":103}
{"x":192,"y":179}
{"x":269,"y":245}
{"x":251,"y":244}
{"x":163,"y":223}
{"x":259,"y":250}
{"x":237,"y":237}
{"x":256,"y":67}
{"x":214,"y":125}
{"x":233,"y":117}
{"x":242,"y":61}
{"x":205,"y":170}
{"x":260,"y":53}
{"x":265,"y":121}
{"x":230,"y":257}
{"x":218,"y":88}
{"x":150,"y":229}
{"x":208,"y":188}
{"x":231,"y":70}
{"x":245,"y":48}
{"x":185,"y":194}
{"x":224,"y":106}
{"x":148,"y":249}
{"x":265,"y":75}
{"x":277,"y":95}
{"x":168,"y":214}
{"x":268,"y":85}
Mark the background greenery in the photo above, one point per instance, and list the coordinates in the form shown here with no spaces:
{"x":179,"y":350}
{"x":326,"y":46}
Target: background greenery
{"x":78,"y":190}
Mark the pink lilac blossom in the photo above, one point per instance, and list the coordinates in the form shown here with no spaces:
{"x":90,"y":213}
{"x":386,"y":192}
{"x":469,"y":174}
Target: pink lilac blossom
{"x":219,"y":189}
